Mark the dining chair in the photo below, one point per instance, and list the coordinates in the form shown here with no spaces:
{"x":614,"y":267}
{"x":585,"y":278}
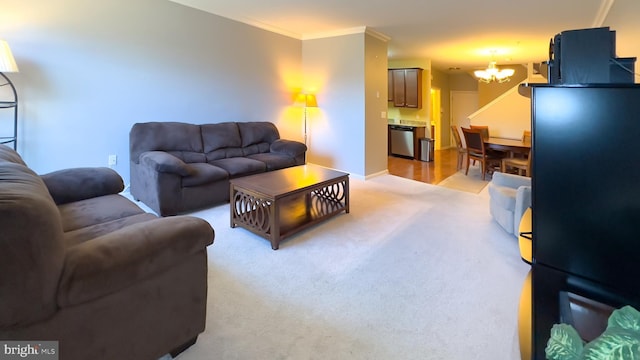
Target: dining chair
{"x":461,"y":149}
{"x":483,"y":128}
{"x":523,"y":165}
{"x":476,"y":150}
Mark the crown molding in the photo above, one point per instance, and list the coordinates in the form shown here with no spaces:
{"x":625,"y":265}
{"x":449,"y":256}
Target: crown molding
{"x":348,"y":31}
{"x":378,"y":35}
{"x":277,"y":30}
{"x":333,"y":33}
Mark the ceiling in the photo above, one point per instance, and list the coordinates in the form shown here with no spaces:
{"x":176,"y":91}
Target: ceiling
{"x":463,"y":34}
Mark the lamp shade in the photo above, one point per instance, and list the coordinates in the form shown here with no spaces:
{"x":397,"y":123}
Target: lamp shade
{"x":7,"y":62}
{"x":306,"y":100}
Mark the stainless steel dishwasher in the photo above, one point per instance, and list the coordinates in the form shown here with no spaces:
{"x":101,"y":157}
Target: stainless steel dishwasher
{"x":401,"y":138}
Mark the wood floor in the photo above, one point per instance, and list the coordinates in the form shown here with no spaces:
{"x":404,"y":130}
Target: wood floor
{"x":432,"y":172}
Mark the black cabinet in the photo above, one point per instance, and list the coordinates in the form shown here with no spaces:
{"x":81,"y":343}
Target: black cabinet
{"x":585,"y":202}
{"x":588,"y":56}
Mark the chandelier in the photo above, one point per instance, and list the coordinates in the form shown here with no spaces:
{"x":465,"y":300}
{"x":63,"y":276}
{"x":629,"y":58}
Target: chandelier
{"x":492,"y":73}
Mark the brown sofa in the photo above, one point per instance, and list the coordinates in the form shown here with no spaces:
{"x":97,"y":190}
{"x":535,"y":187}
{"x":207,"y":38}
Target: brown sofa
{"x":84,"y":266}
{"x":178,"y":167}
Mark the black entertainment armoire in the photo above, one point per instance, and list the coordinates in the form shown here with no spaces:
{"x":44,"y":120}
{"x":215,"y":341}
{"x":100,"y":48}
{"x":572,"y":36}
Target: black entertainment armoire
{"x":585,"y":190}
{"x":585,"y":206}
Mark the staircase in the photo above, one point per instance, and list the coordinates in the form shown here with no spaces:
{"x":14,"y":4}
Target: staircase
{"x":509,"y":114}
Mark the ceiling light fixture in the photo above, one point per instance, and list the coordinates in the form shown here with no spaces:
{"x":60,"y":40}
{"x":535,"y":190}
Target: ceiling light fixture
{"x":492,"y":73}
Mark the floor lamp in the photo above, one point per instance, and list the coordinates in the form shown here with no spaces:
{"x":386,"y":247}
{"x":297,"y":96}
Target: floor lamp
{"x":306,"y":100}
{"x":8,"y":64}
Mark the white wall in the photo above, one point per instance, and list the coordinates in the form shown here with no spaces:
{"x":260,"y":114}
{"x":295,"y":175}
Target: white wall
{"x":623,"y":19}
{"x":349,"y":75}
{"x":334,"y":69}
{"x":507,"y":116}
{"x":90,"y":69}
{"x":375,"y":125}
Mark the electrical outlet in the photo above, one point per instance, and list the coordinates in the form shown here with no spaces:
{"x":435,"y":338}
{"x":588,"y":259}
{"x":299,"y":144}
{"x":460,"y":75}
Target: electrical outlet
{"x":113,"y":160}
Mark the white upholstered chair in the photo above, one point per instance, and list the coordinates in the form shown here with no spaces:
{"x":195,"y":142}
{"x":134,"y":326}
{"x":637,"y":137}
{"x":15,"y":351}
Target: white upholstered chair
{"x":510,"y":196}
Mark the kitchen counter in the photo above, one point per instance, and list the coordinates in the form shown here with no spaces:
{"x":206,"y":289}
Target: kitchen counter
{"x":411,"y":123}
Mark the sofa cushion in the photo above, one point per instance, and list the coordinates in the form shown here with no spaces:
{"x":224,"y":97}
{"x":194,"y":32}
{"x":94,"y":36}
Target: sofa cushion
{"x":78,"y":236}
{"x":31,"y":247}
{"x":257,"y":132}
{"x":218,"y":136}
{"x":274,"y":161}
{"x":288,"y":147}
{"x":126,"y":256}
{"x":188,"y":156}
{"x":504,"y":197}
{"x":224,"y":153}
{"x":10,"y":155}
{"x":255,"y":149}
{"x":75,"y":184}
{"x":93,"y":211}
{"x":173,"y":137}
{"x":164,"y":162}
{"x":239,"y":166}
{"x":203,"y":174}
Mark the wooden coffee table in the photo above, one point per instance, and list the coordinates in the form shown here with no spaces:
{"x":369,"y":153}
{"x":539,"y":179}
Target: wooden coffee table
{"x":279,"y":203}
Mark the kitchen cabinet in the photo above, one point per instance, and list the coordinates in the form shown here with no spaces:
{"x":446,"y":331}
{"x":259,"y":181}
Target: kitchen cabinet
{"x":390,"y":85}
{"x":405,"y":88}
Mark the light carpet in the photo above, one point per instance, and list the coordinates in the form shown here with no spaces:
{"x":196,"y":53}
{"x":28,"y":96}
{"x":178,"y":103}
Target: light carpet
{"x":414,"y":271}
{"x":472,"y":182}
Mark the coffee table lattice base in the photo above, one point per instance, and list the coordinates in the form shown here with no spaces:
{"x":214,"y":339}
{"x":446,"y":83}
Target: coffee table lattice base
{"x":277,"y":217}
{"x":253,"y":212}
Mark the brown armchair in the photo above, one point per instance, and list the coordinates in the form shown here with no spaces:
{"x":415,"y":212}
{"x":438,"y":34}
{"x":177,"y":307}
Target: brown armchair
{"x":82,"y":265}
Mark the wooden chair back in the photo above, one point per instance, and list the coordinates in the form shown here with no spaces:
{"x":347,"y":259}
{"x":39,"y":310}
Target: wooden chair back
{"x":483,"y":129}
{"x":475,"y":142}
{"x":476,"y":149}
{"x":461,"y":149}
{"x":456,"y":137}
{"x":526,"y":136}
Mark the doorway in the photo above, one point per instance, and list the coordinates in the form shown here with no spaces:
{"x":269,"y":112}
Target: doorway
{"x":463,"y":104}
{"x":431,"y":172}
{"x":435,"y":114}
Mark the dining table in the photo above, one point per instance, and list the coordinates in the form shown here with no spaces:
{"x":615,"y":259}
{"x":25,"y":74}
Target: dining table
{"x":513,"y":146}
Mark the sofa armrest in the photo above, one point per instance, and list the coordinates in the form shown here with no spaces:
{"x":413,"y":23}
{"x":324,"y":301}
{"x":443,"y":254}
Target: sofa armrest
{"x":523,"y":201}
{"x":166,"y":163}
{"x":77,"y":184}
{"x":288,"y":147}
{"x":111,"y":262}
{"x":510,"y":180}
